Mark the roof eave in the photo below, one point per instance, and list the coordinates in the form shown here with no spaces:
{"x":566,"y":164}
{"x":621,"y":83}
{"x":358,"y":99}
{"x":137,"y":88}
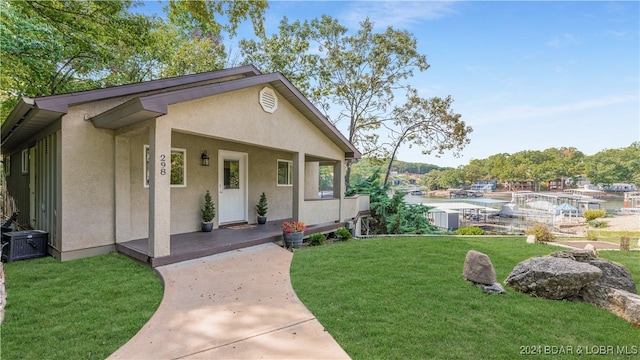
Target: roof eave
{"x":131,"y":112}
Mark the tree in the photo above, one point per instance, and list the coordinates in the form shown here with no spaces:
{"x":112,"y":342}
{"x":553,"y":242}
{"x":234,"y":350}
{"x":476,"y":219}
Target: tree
{"x":53,"y":46}
{"x":391,"y":215}
{"x":614,"y":165}
{"x":427,"y":123}
{"x":432,"y":179}
{"x":359,"y":73}
{"x":50,"y":47}
{"x":289,"y":52}
{"x":452,"y":178}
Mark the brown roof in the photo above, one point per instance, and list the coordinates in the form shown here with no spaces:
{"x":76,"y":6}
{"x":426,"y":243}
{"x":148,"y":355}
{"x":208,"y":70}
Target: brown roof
{"x":152,"y":99}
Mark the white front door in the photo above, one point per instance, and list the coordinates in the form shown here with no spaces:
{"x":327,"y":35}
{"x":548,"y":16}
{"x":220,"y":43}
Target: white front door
{"x":232,"y":184}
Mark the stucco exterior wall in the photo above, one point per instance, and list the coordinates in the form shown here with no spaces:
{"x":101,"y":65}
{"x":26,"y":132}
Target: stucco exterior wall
{"x":321,"y":211}
{"x":186,"y":202}
{"x":232,"y":121}
{"x":87,"y":181}
{"x":237,"y":116}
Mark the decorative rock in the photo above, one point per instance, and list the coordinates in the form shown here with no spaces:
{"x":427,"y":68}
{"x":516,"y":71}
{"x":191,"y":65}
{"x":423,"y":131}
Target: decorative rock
{"x":619,"y":302}
{"x":478,"y":268}
{"x":614,"y":276}
{"x":577,"y":255}
{"x":494,"y":288}
{"x":531,"y":239}
{"x":591,"y":248}
{"x":613,"y":290}
{"x":552,"y":277}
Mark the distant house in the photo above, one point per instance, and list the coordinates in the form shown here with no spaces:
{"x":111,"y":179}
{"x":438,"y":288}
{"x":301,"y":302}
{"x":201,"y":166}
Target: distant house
{"x":620,"y":187}
{"x":523,"y":185}
{"x":484,"y":185}
{"x":557,"y":184}
{"x":105,"y":166}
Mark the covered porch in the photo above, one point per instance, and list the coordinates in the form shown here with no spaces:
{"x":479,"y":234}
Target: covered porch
{"x":195,"y":245}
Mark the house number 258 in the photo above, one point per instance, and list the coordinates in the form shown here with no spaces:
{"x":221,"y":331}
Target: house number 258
{"x":163,"y":164}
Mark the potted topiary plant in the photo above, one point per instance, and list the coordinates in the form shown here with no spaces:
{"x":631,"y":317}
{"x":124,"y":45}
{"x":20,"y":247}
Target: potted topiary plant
{"x":208,"y":213}
{"x":261,"y":209}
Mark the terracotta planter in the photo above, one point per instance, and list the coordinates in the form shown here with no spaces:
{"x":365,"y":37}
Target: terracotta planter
{"x":293,"y":239}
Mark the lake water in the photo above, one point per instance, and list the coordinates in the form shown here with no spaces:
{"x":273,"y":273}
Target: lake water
{"x":613,"y":203}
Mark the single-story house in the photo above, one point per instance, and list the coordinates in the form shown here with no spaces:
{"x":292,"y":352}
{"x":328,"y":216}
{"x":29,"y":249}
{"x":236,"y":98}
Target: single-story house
{"x":105,"y":166}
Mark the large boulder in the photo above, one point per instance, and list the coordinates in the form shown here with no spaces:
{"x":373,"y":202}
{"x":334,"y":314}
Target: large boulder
{"x":478,"y":268}
{"x":619,"y":302}
{"x":614,"y":276}
{"x":576,"y":255}
{"x":579,"y":275}
{"x":552,"y":277}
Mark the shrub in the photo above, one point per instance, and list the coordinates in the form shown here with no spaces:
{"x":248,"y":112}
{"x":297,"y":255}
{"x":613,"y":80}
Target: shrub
{"x":343,"y":234}
{"x":541,"y":232}
{"x":597,"y":223}
{"x":209,"y":209}
{"x":593,"y":214}
{"x":469,"y":230}
{"x":316,"y":239}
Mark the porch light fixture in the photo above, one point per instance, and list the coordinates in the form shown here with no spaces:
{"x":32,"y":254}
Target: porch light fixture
{"x":204,"y":158}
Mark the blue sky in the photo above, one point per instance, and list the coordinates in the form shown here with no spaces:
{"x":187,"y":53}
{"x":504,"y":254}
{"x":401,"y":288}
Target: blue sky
{"x":524,"y":75}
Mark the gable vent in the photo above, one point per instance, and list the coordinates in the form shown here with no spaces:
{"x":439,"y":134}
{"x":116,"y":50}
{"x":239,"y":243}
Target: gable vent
{"x":268,"y":100}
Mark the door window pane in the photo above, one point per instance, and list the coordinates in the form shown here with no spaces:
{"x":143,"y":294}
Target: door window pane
{"x":231,"y":174}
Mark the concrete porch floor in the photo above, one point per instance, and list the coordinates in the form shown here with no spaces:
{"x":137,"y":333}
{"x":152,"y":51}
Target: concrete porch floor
{"x":195,"y":245}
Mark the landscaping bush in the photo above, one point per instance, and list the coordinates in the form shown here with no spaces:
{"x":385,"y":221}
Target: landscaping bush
{"x":597,"y":223}
{"x":593,"y":214}
{"x":316,"y":239}
{"x":391,"y":215}
{"x":469,"y":230}
{"x":343,"y":234}
{"x":541,"y":232}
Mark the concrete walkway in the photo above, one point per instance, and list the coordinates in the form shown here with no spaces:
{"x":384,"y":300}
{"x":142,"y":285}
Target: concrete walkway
{"x":234,"y":305}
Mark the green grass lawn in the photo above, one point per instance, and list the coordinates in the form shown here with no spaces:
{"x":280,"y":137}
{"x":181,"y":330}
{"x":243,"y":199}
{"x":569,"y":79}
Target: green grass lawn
{"x":81,"y":309}
{"x":405,"y":298}
{"x":614,"y":236}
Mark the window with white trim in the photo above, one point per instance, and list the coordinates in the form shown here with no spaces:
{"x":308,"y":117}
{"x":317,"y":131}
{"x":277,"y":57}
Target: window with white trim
{"x":25,"y":161}
{"x":285,"y":172}
{"x":175,"y":166}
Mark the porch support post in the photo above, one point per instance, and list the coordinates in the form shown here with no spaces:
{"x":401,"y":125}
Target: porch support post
{"x":123,"y":189}
{"x":298,"y":186}
{"x":311,"y":180}
{"x":159,"y":188}
{"x":338,"y":185}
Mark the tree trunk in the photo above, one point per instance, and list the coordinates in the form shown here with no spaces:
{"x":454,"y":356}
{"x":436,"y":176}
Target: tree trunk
{"x":393,"y":156}
{"x":347,"y":175}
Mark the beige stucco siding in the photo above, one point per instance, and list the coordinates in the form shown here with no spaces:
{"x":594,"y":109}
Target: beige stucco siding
{"x":87,"y":182}
{"x":232,"y":121}
{"x":187,"y":201}
{"x":238,"y":116}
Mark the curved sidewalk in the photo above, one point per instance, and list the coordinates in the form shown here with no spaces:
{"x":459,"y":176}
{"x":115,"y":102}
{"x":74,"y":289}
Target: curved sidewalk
{"x":234,"y":305}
